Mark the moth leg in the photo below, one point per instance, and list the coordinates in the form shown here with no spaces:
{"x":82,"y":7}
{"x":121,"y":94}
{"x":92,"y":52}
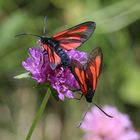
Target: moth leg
{"x":79,"y":98}
{"x":76,"y":90}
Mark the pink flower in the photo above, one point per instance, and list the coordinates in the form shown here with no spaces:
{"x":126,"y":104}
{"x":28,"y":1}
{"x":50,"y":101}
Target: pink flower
{"x":37,"y":65}
{"x":100,"y":127}
{"x":61,"y":79}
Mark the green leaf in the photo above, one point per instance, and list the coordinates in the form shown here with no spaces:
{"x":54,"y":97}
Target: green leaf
{"x":23,"y":75}
{"x":10,"y":26}
{"x":129,"y":90}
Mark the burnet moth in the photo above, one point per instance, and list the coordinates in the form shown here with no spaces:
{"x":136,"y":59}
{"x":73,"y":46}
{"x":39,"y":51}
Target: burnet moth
{"x":68,"y":39}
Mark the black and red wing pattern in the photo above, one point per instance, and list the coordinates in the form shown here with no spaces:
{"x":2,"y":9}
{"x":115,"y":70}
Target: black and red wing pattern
{"x":75,"y":36}
{"x":93,"y":67}
{"x":79,"y":74}
{"x":53,"y":57}
{"x":87,"y":75}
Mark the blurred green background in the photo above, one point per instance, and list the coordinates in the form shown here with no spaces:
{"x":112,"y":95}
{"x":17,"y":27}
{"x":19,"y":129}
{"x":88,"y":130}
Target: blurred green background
{"x":117,"y":33}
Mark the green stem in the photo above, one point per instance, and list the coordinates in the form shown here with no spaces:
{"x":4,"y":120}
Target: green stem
{"x":38,"y":114}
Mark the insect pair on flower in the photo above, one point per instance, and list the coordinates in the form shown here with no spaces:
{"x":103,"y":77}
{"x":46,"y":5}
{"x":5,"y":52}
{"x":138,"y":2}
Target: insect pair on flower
{"x":56,"y":48}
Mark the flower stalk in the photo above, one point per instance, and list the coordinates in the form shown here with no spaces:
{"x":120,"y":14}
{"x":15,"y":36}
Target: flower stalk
{"x":38,"y":114}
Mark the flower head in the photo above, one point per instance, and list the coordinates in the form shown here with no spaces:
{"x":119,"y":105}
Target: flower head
{"x":78,"y":55}
{"x":61,"y":79}
{"x":100,"y":127}
{"x":37,"y":65}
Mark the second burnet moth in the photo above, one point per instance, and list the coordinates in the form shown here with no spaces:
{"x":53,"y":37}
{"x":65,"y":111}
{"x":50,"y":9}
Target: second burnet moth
{"x":87,"y":75}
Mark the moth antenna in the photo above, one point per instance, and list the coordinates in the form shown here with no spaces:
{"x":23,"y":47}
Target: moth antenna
{"x":44,"y":30}
{"x":89,"y":106}
{"x":102,"y":110}
{"x":27,"y":34}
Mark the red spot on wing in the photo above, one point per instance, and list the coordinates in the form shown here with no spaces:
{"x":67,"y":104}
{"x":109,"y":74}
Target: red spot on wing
{"x":69,"y":37}
{"x":81,"y":76}
{"x":57,"y":59}
{"x":45,"y":46}
{"x":50,"y":55}
{"x":98,"y":64}
{"x":80,"y":29}
{"x":69,"y":46}
{"x":53,"y":57}
{"x":59,"y":34}
{"x":94,"y":78}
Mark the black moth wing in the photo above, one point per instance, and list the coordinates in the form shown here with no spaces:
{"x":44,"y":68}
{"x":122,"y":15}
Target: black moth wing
{"x":75,"y":36}
{"x":78,"y":71}
{"x":93,"y":67}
